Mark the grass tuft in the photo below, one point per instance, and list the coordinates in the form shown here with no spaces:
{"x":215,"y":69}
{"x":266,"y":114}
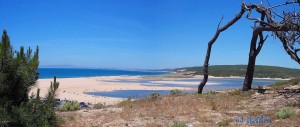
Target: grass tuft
{"x":294,"y":81}
{"x":277,"y":84}
{"x":284,"y":113}
{"x":179,"y":124}
{"x":126,"y":103}
{"x":99,"y":106}
{"x":176,"y":92}
{"x":71,"y":118}
{"x":154,"y":96}
{"x":295,"y":104}
{"x":234,"y":93}
{"x":224,"y":123}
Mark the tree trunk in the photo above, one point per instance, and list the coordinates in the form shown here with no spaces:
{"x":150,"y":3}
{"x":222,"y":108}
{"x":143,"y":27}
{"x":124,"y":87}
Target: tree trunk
{"x":252,"y":57}
{"x":212,"y":41}
{"x":205,"y":68}
{"x":250,"y":72}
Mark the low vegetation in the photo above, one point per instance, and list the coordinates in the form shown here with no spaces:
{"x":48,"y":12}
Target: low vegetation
{"x":294,"y":104}
{"x":294,"y":81}
{"x":99,"y":106}
{"x":126,"y":102}
{"x":154,"y":96}
{"x":261,"y":71}
{"x":179,"y":124}
{"x":176,"y":92}
{"x":213,"y":108}
{"x":224,"y":123}
{"x":70,"y":106}
{"x":282,"y":84}
{"x":284,"y":113}
{"x":277,"y":84}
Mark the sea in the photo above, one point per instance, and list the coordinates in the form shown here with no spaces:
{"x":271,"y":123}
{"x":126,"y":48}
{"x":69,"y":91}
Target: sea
{"x":82,"y":72}
{"x":224,"y":83}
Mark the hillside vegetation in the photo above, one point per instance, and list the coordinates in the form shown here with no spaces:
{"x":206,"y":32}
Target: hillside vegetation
{"x":196,"y":110}
{"x":261,"y":71}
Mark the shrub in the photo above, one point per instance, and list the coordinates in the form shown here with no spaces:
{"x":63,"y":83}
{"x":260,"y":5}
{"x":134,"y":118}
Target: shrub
{"x":179,"y":124}
{"x":71,"y":118}
{"x":210,"y":93}
{"x":234,"y":93}
{"x":99,"y":106}
{"x":224,"y":123}
{"x":34,"y":114}
{"x":284,"y":113}
{"x":127,"y":102}
{"x":4,"y":117}
{"x":294,"y":81}
{"x":213,"y":105}
{"x":295,"y":104}
{"x":154,"y":96}
{"x":70,"y":106}
{"x":176,"y":92}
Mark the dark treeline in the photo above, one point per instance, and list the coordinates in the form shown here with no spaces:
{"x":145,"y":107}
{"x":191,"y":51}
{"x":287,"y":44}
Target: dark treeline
{"x":261,"y":71}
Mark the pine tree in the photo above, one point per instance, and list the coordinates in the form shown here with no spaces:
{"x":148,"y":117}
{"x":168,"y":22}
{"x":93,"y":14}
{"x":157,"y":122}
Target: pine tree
{"x":18,"y":72}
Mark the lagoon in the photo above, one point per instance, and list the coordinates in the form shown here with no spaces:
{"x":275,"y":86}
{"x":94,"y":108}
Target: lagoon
{"x":221,"y":84}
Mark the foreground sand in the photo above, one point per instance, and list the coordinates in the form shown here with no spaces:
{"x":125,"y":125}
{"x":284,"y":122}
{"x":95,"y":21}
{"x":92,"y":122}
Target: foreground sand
{"x":75,"y":88}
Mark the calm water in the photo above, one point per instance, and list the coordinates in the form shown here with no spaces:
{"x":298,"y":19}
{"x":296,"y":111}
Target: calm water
{"x":75,"y":73}
{"x":225,"y":83}
{"x":129,"y":93}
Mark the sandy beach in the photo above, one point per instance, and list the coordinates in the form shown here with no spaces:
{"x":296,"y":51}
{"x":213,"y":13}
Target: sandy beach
{"x":75,"y":88}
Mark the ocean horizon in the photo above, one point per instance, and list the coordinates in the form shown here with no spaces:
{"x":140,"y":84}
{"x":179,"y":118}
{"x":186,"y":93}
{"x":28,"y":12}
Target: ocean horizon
{"x":45,"y":73}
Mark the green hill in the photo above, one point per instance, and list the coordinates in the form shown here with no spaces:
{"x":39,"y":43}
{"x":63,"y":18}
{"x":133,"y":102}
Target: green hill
{"x":261,"y":71}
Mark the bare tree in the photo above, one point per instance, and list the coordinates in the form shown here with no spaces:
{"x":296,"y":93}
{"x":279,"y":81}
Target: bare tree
{"x":287,"y":30}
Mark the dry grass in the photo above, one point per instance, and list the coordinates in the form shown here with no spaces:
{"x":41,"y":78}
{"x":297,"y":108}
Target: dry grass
{"x":211,"y":109}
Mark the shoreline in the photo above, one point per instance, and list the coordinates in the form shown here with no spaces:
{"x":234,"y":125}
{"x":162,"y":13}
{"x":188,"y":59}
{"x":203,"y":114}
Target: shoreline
{"x":76,"y":88}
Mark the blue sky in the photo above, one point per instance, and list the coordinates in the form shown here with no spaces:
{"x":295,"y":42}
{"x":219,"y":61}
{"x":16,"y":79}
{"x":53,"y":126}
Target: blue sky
{"x":133,"y":34}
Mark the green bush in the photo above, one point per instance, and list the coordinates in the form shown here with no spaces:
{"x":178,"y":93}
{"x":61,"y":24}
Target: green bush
{"x":70,"y":106}
{"x":176,"y":92}
{"x":285,"y":113}
{"x":154,"y":96}
{"x":179,"y":124}
{"x":35,"y":114}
